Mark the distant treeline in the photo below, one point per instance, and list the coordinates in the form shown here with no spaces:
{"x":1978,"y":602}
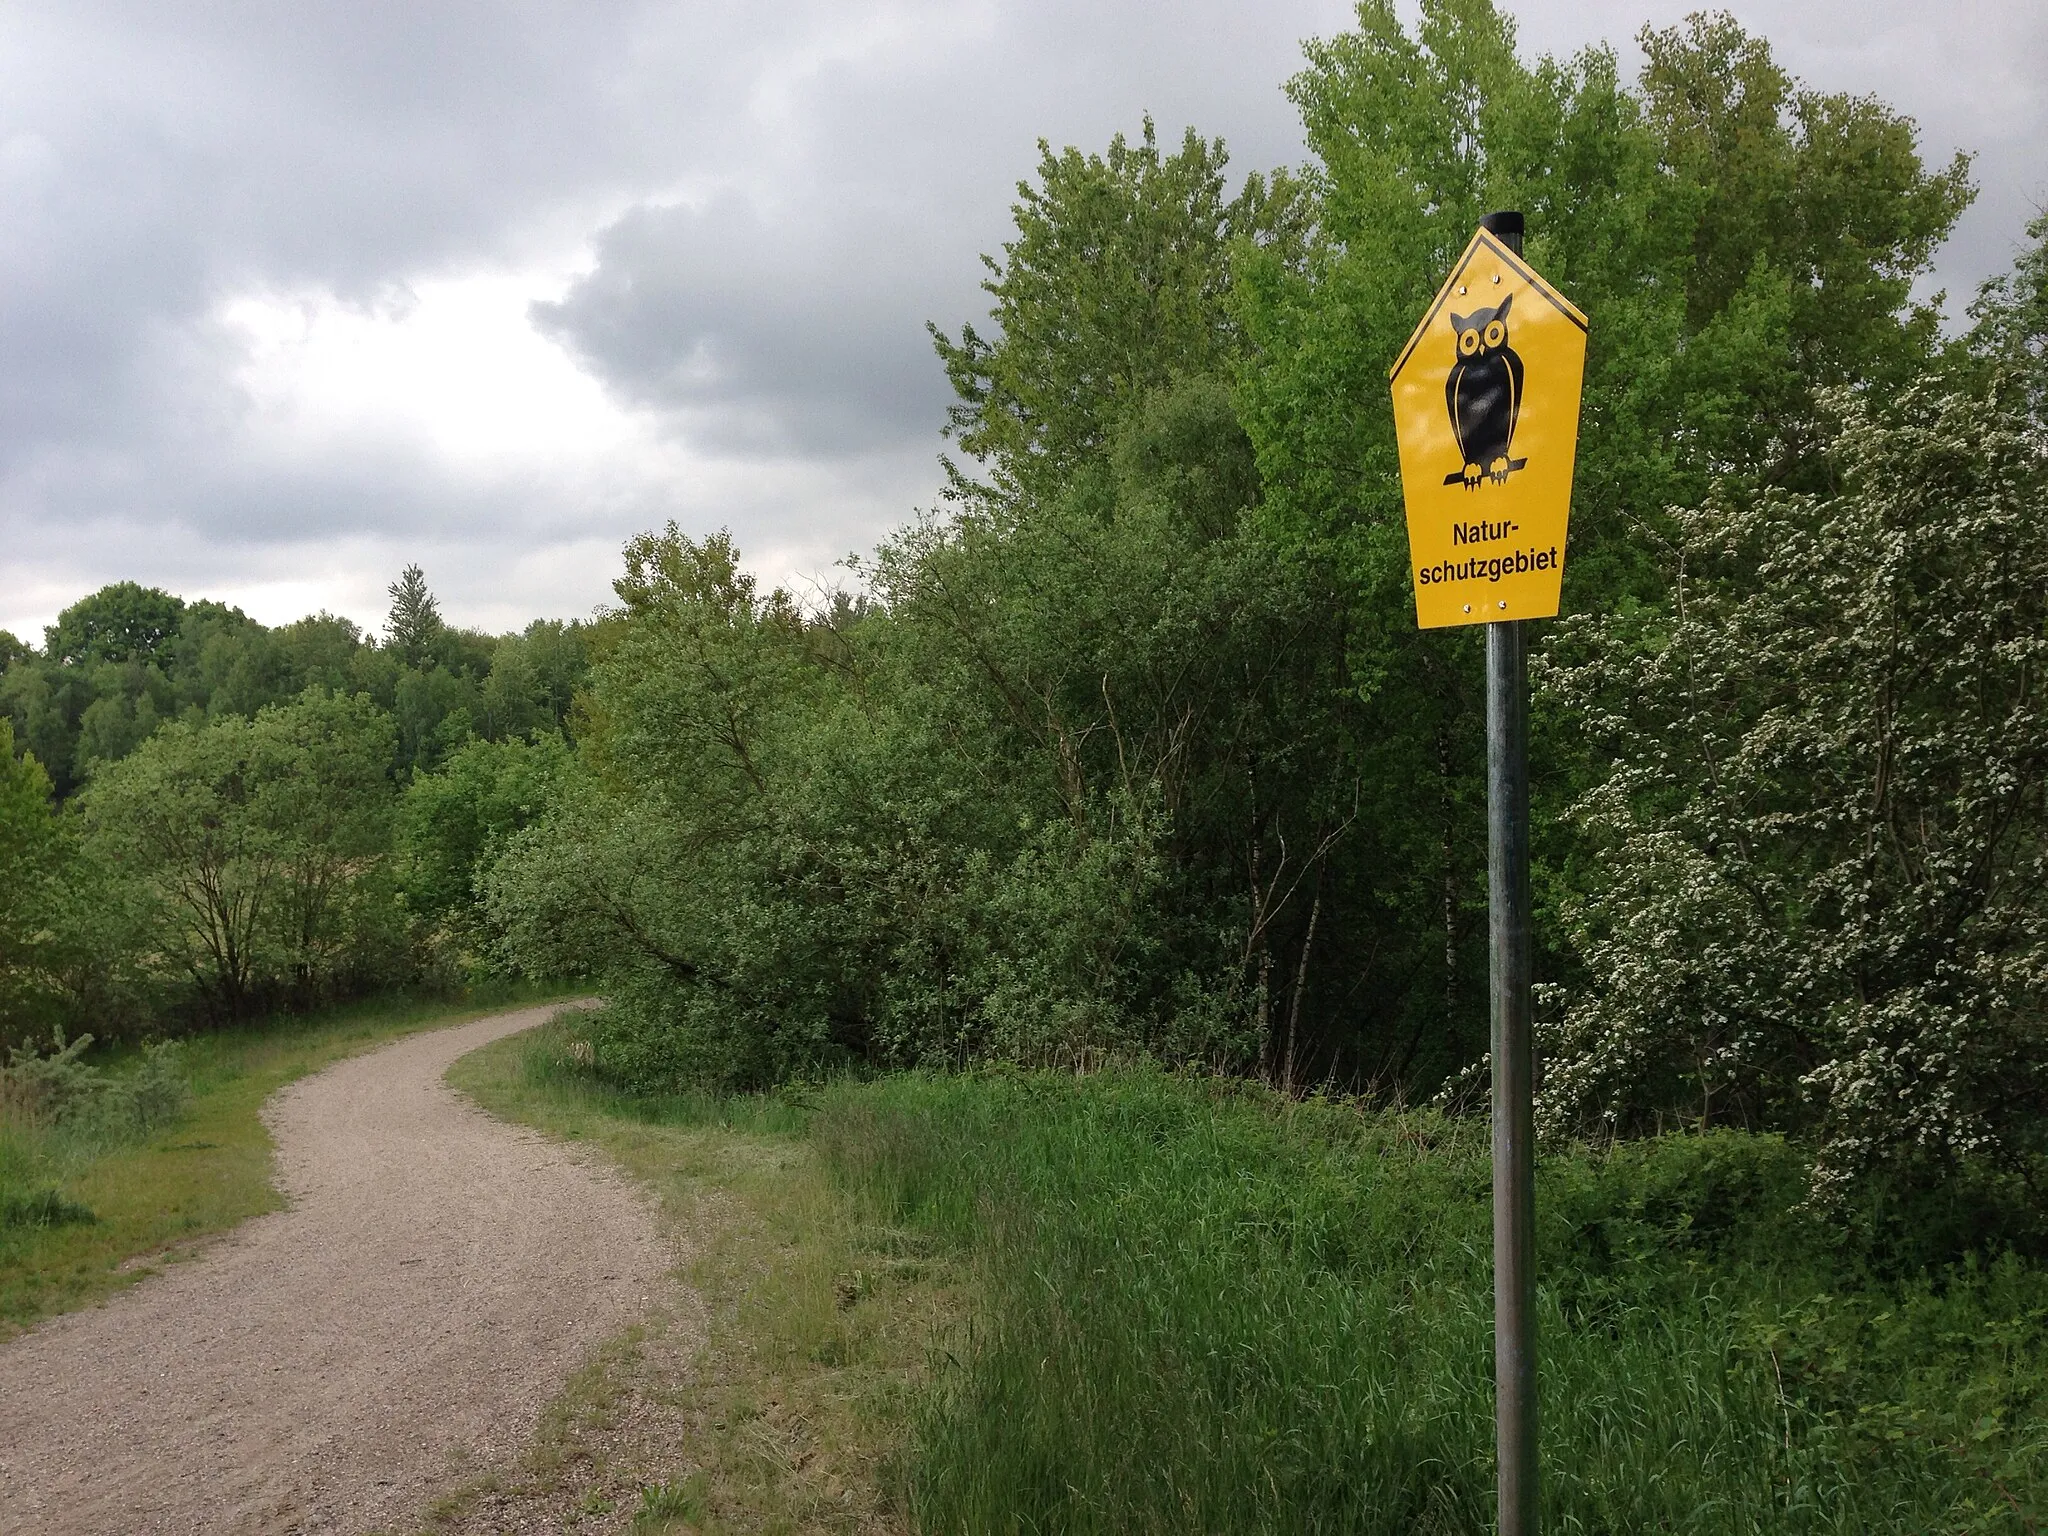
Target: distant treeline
{"x":202,"y":818}
{"x":125,"y":660}
{"x":1133,"y":746}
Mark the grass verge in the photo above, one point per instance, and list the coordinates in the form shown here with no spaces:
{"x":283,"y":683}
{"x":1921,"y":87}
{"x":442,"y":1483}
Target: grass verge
{"x":124,"y":1210}
{"x":1014,"y":1302}
{"x":1203,"y":1308}
{"x":772,"y":1394}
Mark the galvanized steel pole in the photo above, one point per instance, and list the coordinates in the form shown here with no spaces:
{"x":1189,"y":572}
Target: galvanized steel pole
{"x":1510,"y":965}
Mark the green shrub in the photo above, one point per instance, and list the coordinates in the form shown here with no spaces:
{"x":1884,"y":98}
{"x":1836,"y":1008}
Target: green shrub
{"x":62,"y":1093}
{"x":1818,"y":829}
{"x":1718,"y":1197}
{"x":157,"y":1094}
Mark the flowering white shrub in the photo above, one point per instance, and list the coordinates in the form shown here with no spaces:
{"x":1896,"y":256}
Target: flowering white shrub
{"x":1820,"y":895}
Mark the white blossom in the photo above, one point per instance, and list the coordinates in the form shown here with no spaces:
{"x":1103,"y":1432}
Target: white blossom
{"x":1821,"y":898}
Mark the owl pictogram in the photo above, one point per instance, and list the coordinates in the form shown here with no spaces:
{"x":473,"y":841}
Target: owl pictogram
{"x":1484,"y":396}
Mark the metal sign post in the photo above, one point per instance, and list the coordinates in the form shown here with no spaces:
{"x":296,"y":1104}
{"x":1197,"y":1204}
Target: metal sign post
{"x":1486,"y":409}
{"x":1514,"y":1160}
{"x":1514,"y":1129}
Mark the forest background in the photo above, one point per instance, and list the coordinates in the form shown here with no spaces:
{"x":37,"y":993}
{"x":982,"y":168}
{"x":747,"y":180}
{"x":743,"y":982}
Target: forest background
{"x":1131,"y":748}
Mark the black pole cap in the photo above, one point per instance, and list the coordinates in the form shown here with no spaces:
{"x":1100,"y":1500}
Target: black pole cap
{"x":1506,"y":223}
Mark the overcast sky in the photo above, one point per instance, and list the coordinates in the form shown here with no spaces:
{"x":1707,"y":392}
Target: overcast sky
{"x":292,"y":295}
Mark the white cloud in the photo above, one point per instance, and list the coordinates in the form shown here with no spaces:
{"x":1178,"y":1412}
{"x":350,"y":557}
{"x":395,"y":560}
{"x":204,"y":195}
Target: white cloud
{"x":451,"y":365}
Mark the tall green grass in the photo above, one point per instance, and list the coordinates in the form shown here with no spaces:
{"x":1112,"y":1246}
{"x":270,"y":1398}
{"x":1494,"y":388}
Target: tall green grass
{"x":1206,"y":1310}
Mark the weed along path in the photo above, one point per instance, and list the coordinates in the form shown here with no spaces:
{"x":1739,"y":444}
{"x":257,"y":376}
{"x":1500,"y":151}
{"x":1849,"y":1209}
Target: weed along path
{"x":330,"y":1367}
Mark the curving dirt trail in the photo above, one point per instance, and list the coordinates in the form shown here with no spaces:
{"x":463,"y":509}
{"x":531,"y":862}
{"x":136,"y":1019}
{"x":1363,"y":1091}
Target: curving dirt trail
{"x":332,"y":1366}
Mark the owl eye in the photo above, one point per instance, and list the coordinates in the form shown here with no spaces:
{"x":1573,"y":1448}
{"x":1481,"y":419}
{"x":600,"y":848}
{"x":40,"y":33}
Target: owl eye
{"x":1495,"y":333}
{"x":1468,"y":343}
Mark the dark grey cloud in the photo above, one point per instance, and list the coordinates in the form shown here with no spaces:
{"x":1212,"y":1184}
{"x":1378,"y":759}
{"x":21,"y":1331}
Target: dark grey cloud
{"x":768,"y":200}
{"x":784,"y":315}
{"x":785,"y":310}
{"x":771,"y":334}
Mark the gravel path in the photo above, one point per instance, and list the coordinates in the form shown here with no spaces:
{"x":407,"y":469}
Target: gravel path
{"x":332,"y":1366}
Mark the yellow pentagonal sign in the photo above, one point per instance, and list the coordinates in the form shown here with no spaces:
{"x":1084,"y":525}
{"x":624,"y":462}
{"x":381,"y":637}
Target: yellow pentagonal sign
{"x":1486,"y":407}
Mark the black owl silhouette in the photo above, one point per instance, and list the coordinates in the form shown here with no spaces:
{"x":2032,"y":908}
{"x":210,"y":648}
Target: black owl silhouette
{"x":1484,"y":396}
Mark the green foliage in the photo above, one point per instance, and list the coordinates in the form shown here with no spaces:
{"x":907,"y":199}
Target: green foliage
{"x":43,"y":703}
{"x":1824,"y":190}
{"x":127,"y":659}
{"x":223,"y":663}
{"x":1740,"y":242}
{"x":1070,"y":781}
{"x":67,"y":940}
{"x":414,"y":627}
{"x":123,"y":622}
{"x":452,"y":824}
{"x":32,"y":866}
{"x":130,"y":700}
{"x":1203,"y":1309}
{"x":1135,"y":748}
{"x":261,"y":845}
{"x":323,"y":651}
{"x":83,"y":942}
{"x":1823,"y":843}
{"x":532,"y":682}
{"x":661,"y":1503}
{"x":2010,"y":336}
{"x":1112,"y":289}
{"x":62,"y":1091}
{"x":1712,"y":329}
{"x":1059,"y":790}
{"x":648,"y":870}
{"x":434,"y":714}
